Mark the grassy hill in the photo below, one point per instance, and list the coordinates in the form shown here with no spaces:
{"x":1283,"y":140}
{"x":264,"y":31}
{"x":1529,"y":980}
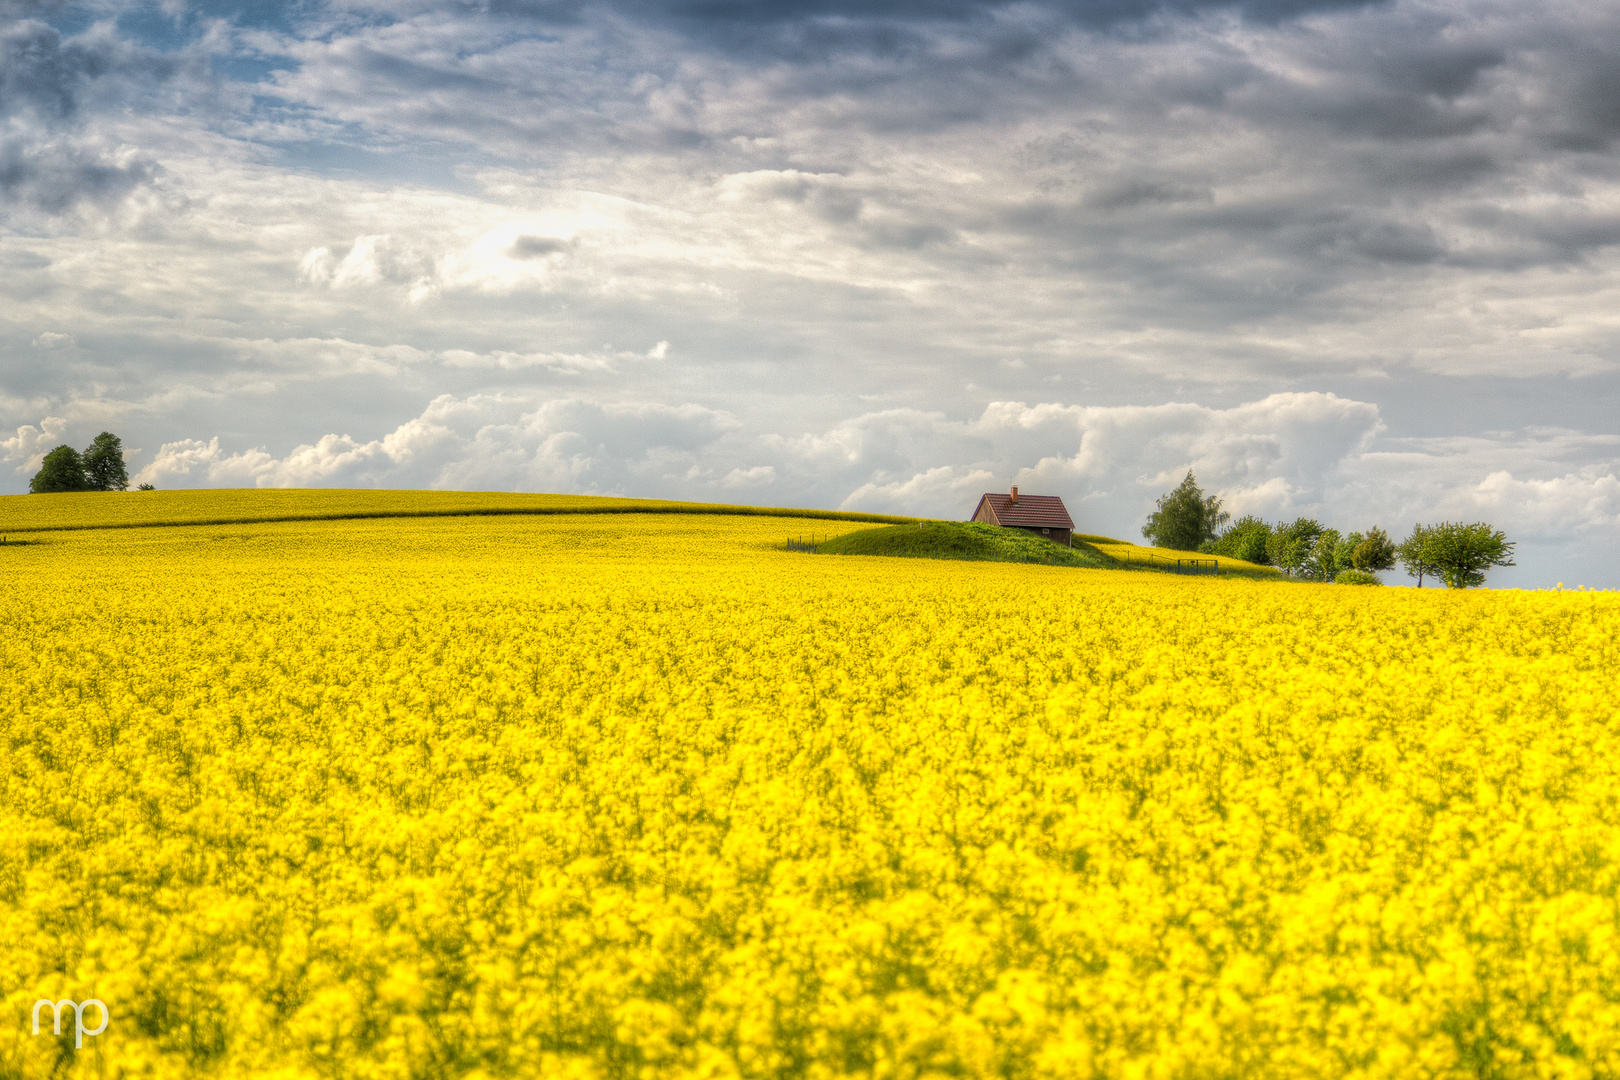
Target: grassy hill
{"x":977,"y":542}
{"x":969,"y":540}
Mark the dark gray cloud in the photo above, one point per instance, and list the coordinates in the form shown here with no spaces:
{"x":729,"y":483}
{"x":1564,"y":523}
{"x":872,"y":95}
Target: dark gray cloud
{"x":804,"y":29}
{"x":54,"y":90}
{"x":41,"y":75}
{"x":747,"y":13}
{"x":538,"y":247}
{"x":31,"y":9}
{"x":56,"y":177}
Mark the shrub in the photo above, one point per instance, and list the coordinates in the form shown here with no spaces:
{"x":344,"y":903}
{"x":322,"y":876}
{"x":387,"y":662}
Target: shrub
{"x":1356,"y":577}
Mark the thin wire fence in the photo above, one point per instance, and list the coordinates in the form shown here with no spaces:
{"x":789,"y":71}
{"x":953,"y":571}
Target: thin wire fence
{"x":1210,"y":567}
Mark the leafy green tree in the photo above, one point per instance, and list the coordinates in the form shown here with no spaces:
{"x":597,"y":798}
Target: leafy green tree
{"x":104,"y":464}
{"x":1345,"y":552}
{"x":1321,"y":562}
{"x":1186,"y":517}
{"x":1289,"y":547}
{"x":1376,"y":552}
{"x":1244,"y":539}
{"x":1414,"y":554}
{"x":1462,"y":553}
{"x":62,"y":470}
{"x":1353,"y":576}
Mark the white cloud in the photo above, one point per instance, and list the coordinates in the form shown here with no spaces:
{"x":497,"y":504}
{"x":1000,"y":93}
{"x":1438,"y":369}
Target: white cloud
{"x":187,"y":459}
{"x":923,"y":493}
{"x":29,"y":445}
{"x":1588,"y":500}
{"x":562,"y":363}
{"x":1298,"y":440}
{"x":484,"y":442}
{"x":369,"y":260}
{"x":745,"y":478}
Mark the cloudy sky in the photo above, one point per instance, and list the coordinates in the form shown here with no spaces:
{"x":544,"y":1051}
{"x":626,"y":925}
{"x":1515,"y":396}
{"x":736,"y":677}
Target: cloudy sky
{"x":1352,"y":260}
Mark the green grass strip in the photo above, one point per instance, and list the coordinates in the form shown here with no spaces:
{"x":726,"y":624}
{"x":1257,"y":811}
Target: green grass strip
{"x":966,"y":540}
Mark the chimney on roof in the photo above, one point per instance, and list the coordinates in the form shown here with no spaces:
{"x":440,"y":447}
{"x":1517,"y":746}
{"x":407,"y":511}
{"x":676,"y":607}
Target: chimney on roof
{"x":1015,"y":495}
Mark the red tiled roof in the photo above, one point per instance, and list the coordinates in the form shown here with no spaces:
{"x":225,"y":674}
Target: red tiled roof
{"x":1038,"y":511}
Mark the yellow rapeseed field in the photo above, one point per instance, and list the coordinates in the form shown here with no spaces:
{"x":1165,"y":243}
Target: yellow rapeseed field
{"x":94,"y":510}
{"x":1145,"y":555}
{"x":639,"y":796}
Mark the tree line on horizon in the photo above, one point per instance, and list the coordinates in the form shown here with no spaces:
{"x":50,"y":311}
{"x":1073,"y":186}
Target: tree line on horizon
{"x":1457,"y":553}
{"x":99,"y":467}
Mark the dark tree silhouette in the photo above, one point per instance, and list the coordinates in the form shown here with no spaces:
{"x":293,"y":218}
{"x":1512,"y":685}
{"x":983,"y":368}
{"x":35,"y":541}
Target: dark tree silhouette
{"x":1376,"y":552}
{"x":104,"y":464}
{"x":62,"y":470}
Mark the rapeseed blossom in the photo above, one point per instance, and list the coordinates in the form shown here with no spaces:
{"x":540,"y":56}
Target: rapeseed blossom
{"x":612,"y":796}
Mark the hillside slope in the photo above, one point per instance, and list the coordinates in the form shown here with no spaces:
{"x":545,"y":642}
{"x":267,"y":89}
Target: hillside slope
{"x":242,"y":506}
{"x":1157,"y":558}
{"x":25,"y":515}
{"x":967,"y":540}
{"x":977,"y":542}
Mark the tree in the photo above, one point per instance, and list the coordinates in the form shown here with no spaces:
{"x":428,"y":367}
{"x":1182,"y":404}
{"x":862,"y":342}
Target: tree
{"x":1345,"y":552}
{"x":1460,"y":554}
{"x":1321,"y":562}
{"x":1414,"y":554}
{"x":1289,"y":547}
{"x":1376,"y":552}
{"x":1185,"y":518}
{"x":1244,"y":539}
{"x":104,"y":464}
{"x":62,"y":470}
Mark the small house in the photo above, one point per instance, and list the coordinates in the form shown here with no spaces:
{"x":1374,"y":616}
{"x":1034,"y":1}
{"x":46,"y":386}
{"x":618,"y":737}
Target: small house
{"x":1043,"y":515}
